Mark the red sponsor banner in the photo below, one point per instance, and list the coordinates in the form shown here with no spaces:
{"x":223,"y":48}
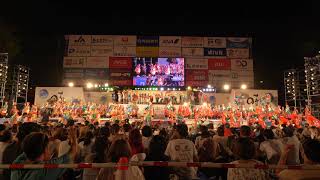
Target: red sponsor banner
{"x":120,"y":62}
{"x":196,"y":75}
{"x":197,"y":83}
{"x":219,"y":64}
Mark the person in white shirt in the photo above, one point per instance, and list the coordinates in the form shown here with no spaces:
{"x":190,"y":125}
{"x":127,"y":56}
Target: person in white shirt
{"x":311,"y":156}
{"x":271,"y":147}
{"x":183,"y":150}
{"x":292,"y":140}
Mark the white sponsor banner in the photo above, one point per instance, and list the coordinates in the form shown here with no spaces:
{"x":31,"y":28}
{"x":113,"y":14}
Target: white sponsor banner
{"x":188,"y":41}
{"x":171,"y":41}
{"x":101,"y":51}
{"x":215,"y":42}
{"x":124,"y":51}
{"x":252,"y":97}
{"x":237,"y":84}
{"x":79,"y":40}
{"x":124,"y":40}
{"x":216,"y":99}
{"x":238,"y":53}
{"x":73,"y":73}
{"x":98,"y":97}
{"x":242,"y":64}
{"x":69,"y":94}
{"x":169,"y":52}
{"x":106,"y":40}
{"x":78,"y":50}
{"x":196,"y":63}
{"x":192,"y":52}
{"x":97,"y":62}
{"x":219,"y":75}
{"x":74,"y":62}
{"x":242,"y":75}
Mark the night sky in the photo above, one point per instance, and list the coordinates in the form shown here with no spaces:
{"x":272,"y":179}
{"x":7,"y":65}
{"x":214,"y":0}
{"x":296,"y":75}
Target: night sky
{"x":282,"y":34}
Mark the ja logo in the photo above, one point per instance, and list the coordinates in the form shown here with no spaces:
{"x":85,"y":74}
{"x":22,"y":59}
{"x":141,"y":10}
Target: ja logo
{"x":80,"y":40}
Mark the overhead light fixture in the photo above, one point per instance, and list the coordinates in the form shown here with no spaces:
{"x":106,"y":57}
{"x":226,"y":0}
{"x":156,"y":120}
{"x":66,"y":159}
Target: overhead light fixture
{"x":226,"y":87}
{"x":89,"y":85}
{"x":243,"y":86}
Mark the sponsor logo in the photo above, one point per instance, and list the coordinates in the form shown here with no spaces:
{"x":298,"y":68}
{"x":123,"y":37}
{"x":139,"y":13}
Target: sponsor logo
{"x":196,"y":66}
{"x":241,"y":63}
{"x":80,"y":40}
{"x":238,"y":43}
{"x":43,"y":93}
{"x":102,"y":51}
{"x":120,"y":62}
{"x":170,"y":41}
{"x":78,"y":51}
{"x":212,"y":41}
{"x":192,"y":42}
{"x":214,"y":52}
{"x":101,"y":40}
{"x":124,"y":39}
{"x":120,"y":74}
{"x":148,"y":41}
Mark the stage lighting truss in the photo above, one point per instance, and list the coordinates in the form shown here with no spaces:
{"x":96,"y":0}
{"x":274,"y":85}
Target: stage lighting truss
{"x":3,"y":75}
{"x":20,"y":82}
{"x":294,"y":83}
{"x":312,"y":79}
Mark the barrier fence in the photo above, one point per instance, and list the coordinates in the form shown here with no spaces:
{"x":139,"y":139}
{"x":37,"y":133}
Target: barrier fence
{"x":158,"y":164}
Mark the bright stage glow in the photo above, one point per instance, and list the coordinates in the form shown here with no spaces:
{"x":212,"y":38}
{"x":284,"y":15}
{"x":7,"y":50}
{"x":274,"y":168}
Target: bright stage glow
{"x":70,"y":84}
{"x":161,"y":89}
{"x":189,"y":87}
{"x":204,"y":104}
{"x":185,"y":104}
{"x":89,"y":85}
{"x":96,"y":85}
{"x":226,"y":87}
{"x":106,"y":84}
{"x":243,"y":86}
{"x":209,"y":86}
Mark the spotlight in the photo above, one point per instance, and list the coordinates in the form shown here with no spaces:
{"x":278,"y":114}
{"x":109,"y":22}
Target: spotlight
{"x":70,"y":84}
{"x":189,"y":87}
{"x":161,"y":89}
{"x":89,"y":85}
{"x":209,"y":86}
{"x":243,"y":86}
{"x":226,"y":87}
{"x":106,"y":84}
{"x":96,"y":85}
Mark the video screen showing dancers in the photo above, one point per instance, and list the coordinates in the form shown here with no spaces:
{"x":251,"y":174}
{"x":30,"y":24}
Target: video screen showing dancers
{"x":167,"y":72}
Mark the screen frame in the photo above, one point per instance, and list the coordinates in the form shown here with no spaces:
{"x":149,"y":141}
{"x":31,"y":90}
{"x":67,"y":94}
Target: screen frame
{"x":165,"y":87}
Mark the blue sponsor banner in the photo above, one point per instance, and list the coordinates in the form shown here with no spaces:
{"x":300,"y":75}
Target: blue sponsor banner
{"x":72,"y":73}
{"x":148,"y":41}
{"x":238,"y":43}
{"x":96,"y":74}
{"x":215,"y":52}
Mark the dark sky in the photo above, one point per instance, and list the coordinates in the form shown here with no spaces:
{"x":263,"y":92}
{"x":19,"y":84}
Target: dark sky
{"x":282,"y":33}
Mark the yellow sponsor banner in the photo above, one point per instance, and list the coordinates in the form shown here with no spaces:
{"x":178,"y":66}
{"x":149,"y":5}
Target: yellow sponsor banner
{"x":147,"y":51}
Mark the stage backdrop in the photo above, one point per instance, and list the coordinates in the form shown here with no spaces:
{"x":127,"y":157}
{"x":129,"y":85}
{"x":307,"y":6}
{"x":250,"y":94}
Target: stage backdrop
{"x":43,"y":94}
{"x":253,"y":97}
